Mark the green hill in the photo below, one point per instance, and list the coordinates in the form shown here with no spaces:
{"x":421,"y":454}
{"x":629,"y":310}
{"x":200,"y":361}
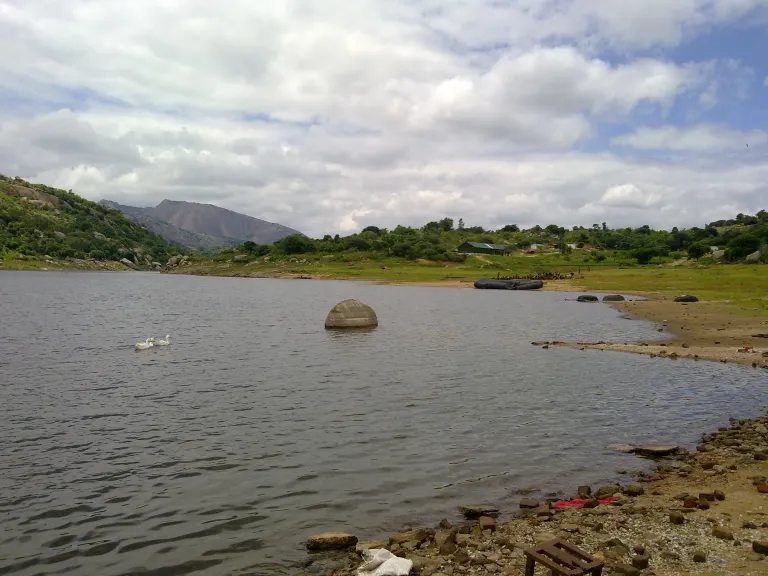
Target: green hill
{"x":37,"y":221}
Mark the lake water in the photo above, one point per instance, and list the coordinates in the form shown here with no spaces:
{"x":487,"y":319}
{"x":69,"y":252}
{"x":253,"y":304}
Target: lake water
{"x":221,"y":453}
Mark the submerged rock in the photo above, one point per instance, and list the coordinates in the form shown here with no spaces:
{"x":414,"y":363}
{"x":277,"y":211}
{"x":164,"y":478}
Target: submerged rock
{"x":587,"y":298}
{"x":351,"y":314}
{"x":657,"y":450}
{"x":613,"y":298}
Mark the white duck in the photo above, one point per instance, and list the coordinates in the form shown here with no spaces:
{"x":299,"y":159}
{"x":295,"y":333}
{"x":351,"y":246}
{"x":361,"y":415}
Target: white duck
{"x":165,"y":342}
{"x":144,"y":345}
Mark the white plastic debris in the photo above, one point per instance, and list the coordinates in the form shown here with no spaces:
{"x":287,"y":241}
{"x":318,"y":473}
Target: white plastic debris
{"x":380,"y":562}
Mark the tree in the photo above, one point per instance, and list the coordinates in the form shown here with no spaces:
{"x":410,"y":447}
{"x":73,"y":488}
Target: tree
{"x":511,"y":228}
{"x":643,"y":255}
{"x":461,"y":223}
{"x":605,"y":226}
{"x":295,"y":244}
{"x":446,"y":224}
{"x":697,"y":250}
{"x":742,"y":246}
{"x":357,"y":243}
{"x":375,"y":229}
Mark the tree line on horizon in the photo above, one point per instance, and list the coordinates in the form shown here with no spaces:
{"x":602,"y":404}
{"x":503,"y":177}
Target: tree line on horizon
{"x":438,"y":240}
{"x":78,"y":228}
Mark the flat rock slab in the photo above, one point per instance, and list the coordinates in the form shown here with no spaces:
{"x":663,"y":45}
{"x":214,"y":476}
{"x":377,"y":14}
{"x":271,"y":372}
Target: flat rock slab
{"x":477,"y":510}
{"x":331,"y":541}
{"x":657,"y":450}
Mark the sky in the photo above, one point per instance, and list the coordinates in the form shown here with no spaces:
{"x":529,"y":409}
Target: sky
{"x":331,"y":116}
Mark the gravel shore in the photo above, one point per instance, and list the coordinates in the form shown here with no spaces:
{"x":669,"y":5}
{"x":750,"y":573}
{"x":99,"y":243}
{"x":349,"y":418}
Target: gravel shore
{"x":699,"y":512}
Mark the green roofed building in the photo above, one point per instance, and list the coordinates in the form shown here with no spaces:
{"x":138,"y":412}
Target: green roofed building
{"x":482,"y":248}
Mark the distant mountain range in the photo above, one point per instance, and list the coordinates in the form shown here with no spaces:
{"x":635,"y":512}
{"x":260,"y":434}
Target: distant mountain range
{"x":202,"y":226}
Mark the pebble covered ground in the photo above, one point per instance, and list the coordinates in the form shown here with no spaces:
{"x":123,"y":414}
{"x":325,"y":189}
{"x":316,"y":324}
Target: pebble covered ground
{"x":701,"y":513}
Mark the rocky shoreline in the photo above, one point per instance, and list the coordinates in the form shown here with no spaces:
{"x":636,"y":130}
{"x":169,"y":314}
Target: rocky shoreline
{"x":702,"y":512}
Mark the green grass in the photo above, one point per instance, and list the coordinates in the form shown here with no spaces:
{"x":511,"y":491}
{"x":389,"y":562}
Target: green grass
{"x":741,"y":285}
{"x":744,"y":286}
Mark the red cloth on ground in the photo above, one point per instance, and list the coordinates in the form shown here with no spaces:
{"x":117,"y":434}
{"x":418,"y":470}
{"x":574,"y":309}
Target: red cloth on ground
{"x":578,"y":503}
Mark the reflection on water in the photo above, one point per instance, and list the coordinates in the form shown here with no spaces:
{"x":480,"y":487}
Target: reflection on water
{"x":257,"y":427}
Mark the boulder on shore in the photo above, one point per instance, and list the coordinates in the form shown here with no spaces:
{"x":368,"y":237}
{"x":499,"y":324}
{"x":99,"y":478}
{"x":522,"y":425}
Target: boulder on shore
{"x":331,"y":541}
{"x":686,"y":298}
{"x":351,"y":314}
{"x":126,"y":262}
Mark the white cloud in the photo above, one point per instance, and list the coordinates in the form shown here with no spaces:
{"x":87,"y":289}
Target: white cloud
{"x":700,"y":138}
{"x":628,"y":196}
{"x":331,"y":116}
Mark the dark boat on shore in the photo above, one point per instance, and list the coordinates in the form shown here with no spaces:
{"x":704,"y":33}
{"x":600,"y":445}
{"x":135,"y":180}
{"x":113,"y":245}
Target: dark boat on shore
{"x":494,"y":284}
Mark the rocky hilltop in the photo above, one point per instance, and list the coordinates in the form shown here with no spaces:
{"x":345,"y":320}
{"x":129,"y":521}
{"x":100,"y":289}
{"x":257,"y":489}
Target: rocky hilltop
{"x":202,"y":226}
{"x":38,"y":222}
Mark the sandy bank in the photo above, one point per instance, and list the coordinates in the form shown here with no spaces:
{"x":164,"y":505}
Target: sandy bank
{"x":700,"y":330}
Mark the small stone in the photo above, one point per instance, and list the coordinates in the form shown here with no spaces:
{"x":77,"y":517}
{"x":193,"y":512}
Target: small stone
{"x":584,"y":492}
{"x":699,"y":556}
{"x":633,"y":490}
{"x":755,"y":557}
{"x":529,"y":503}
{"x":702,"y":504}
{"x":722,"y":533}
{"x":447,"y":548}
{"x":372,"y":545}
{"x":749,"y":525}
{"x":641,"y":561}
{"x":570,"y":527}
{"x":471,"y":511}
{"x":544,"y":536}
{"x":690,"y":502}
{"x":639,"y":549}
{"x":707,"y":496}
{"x":760,"y":546}
{"x":445,"y":524}
{"x":487,"y":523}
{"x":331,"y":541}
{"x":445,"y":536}
{"x":417,"y":536}
{"x":626,"y":569}
{"x":461,"y":556}
{"x":606,"y":491}
{"x":591,"y":503}
{"x":463,"y":539}
{"x":719,"y":495}
{"x":676,"y":518}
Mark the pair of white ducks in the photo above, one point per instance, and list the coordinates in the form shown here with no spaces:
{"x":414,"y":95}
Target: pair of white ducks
{"x":151,"y":342}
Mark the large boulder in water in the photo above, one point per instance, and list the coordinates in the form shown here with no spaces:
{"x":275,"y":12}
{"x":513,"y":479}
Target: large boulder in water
{"x":351,"y":314}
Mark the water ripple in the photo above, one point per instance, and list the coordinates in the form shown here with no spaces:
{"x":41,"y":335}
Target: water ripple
{"x":221,"y":453}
